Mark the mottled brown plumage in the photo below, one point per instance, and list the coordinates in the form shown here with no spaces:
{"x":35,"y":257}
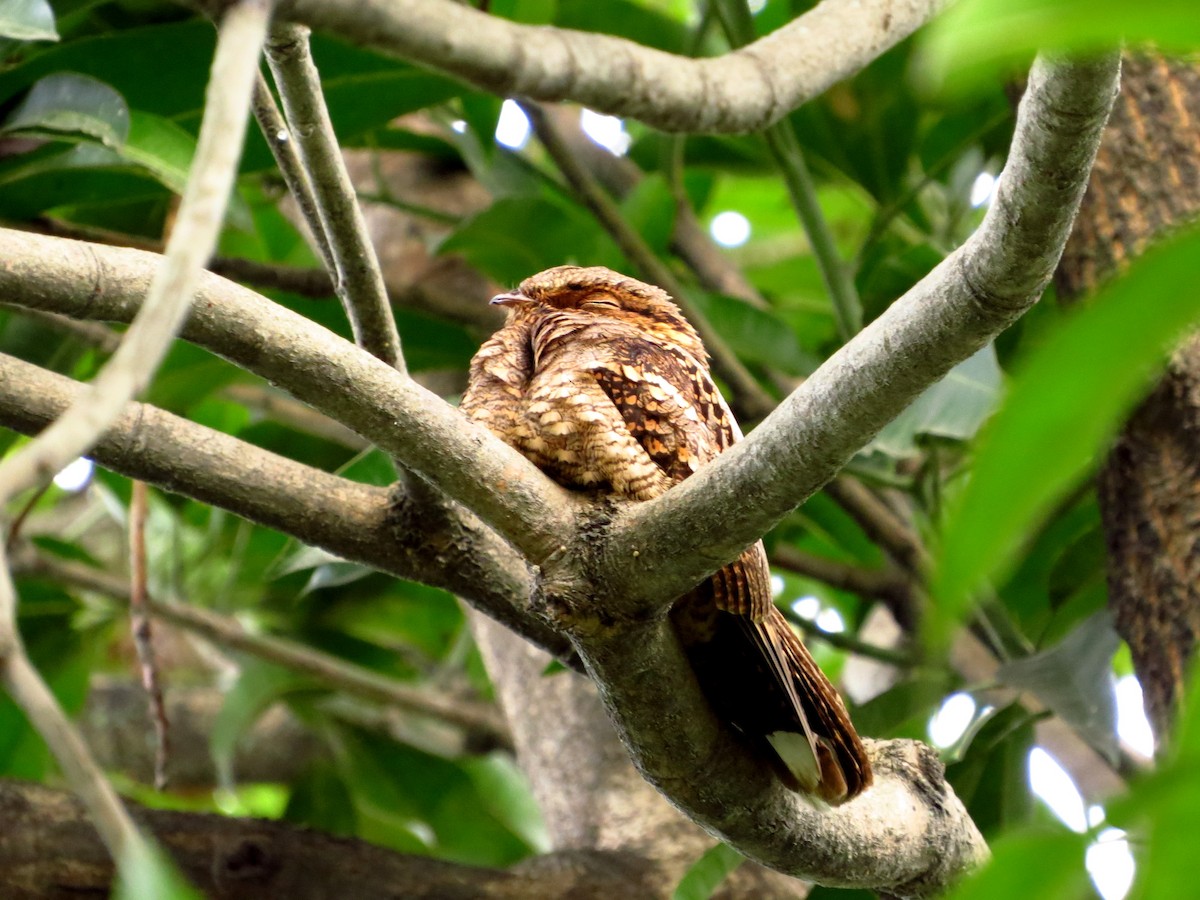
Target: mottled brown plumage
{"x":599,"y":380}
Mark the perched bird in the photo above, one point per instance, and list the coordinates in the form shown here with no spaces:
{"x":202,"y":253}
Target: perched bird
{"x":599,"y":380}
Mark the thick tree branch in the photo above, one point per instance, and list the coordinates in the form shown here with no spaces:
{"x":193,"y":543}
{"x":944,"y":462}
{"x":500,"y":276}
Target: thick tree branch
{"x":908,"y":835}
{"x":357,"y":522}
{"x":741,"y":91}
{"x":973,"y":295}
{"x":55,"y":853}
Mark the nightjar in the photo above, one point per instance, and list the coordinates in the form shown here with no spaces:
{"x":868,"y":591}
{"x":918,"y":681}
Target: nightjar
{"x":599,"y":381}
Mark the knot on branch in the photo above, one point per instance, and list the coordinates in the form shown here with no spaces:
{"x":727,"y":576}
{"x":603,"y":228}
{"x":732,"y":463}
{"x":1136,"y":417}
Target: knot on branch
{"x":249,"y":859}
{"x":916,"y":763}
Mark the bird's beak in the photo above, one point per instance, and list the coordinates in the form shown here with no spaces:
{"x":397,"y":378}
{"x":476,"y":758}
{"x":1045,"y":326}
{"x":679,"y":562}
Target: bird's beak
{"x":510,"y":299}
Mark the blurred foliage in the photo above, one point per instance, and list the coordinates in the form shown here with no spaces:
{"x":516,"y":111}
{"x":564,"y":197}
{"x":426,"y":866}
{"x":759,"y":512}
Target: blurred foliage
{"x":97,"y":131}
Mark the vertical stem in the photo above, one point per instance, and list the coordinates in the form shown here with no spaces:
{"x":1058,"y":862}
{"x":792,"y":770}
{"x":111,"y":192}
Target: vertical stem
{"x":357,"y":277}
{"x":781,"y":140}
{"x":847,"y":308}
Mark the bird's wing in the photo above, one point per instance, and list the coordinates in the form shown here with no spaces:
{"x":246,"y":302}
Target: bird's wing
{"x":671,"y":406}
{"x":667,"y":401}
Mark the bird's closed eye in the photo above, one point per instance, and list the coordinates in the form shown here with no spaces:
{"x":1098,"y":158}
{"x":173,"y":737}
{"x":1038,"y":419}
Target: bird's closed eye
{"x":600,"y":303}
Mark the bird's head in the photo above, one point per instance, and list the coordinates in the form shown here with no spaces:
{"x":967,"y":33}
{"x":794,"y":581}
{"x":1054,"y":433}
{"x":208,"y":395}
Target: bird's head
{"x":600,"y":292}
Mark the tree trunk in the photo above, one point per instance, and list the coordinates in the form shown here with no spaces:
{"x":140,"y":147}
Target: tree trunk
{"x":1146,"y":182}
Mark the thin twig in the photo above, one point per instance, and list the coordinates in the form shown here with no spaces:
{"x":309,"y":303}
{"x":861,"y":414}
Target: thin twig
{"x":339,"y":674}
{"x":27,"y":688}
{"x":94,"y":334}
{"x":847,"y":308}
{"x":888,"y":585}
{"x":281,"y":408}
{"x":14,"y":530}
{"x":416,"y":209}
{"x":287,"y":159}
{"x":748,"y":398}
{"x":849,"y":643}
{"x":143,"y":638}
{"x":359,"y":280}
{"x":881,"y":524}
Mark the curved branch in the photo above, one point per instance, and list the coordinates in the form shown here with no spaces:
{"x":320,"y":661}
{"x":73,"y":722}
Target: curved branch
{"x":974,"y":294}
{"x":741,"y":91}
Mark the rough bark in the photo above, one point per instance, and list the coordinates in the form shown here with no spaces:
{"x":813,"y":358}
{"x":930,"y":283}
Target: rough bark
{"x":114,"y":723}
{"x":55,"y":854}
{"x":590,"y":795}
{"x":1145,"y":183}
{"x":743,"y":90}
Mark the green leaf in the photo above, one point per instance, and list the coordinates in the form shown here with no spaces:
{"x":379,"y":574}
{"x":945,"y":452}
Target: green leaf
{"x":865,"y":127}
{"x":1032,"y":865}
{"x":482,"y":114}
{"x":904,"y":710}
{"x":517,"y":236}
{"x":69,"y":103}
{"x":756,"y":335}
{"x":629,"y":20}
{"x":27,"y":20}
{"x":532,"y":12}
{"x":1074,"y":679}
{"x":705,"y":875}
{"x":650,"y":210}
{"x":335,"y":574}
{"x":505,"y":792}
{"x":954,"y":408}
{"x":1065,"y":403}
{"x":258,"y":686}
{"x":1165,"y":809}
{"x":365,"y":89}
{"x":415,"y":801}
{"x":322,"y":799}
{"x":148,"y":872}
{"x":160,"y":147}
{"x":974,"y":40}
{"x":989,"y":777}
